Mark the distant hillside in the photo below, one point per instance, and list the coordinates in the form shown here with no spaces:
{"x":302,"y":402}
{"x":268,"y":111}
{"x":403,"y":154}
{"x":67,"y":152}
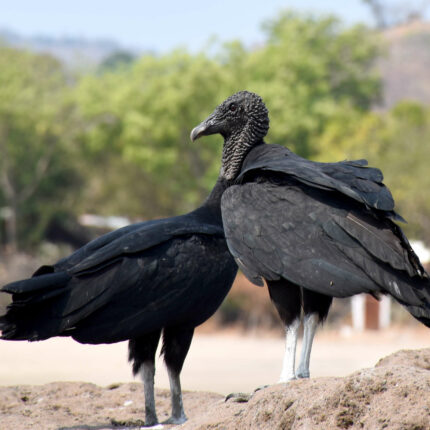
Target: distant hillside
{"x":406,"y":67}
{"x":72,"y":51}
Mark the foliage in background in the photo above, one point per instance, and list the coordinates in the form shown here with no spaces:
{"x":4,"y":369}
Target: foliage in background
{"x":308,"y":71}
{"x":139,"y":121}
{"x":36,"y":176}
{"x":397,"y":142}
{"x":117,"y":142}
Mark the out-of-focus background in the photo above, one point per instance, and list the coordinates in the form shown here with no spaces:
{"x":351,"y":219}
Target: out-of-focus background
{"x":97,"y":100}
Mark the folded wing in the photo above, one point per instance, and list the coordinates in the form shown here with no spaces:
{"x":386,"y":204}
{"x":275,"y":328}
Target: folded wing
{"x":322,"y":240}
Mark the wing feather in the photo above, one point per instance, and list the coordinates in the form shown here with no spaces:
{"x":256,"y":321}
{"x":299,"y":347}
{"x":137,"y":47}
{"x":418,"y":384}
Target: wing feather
{"x":317,"y":240}
{"x":351,"y":178}
{"x":142,"y":238}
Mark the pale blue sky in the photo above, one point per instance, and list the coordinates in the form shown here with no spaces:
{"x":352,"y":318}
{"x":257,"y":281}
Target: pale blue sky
{"x":161,"y":25}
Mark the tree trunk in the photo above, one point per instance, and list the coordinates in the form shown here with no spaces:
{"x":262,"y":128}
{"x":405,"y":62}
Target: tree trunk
{"x":10,"y":230}
{"x":11,"y":212}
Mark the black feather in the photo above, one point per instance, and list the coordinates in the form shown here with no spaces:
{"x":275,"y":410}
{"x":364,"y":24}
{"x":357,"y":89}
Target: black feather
{"x":168,"y":273}
{"x":324,"y":226}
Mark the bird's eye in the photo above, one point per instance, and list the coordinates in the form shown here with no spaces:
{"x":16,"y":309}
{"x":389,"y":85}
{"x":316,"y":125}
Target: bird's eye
{"x":233,"y":107}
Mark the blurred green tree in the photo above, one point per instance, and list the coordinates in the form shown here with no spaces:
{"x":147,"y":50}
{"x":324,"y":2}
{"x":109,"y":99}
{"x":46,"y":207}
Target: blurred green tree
{"x":139,"y":121}
{"x":310,"y":70}
{"x":397,"y":142}
{"x":116,"y":60}
{"x":35,"y":172}
{"x":124,"y":133}
{"x":391,"y":13}
{"x":139,"y":118}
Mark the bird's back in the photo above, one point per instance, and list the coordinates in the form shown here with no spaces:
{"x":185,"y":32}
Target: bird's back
{"x":126,"y":283}
{"x":179,"y":283}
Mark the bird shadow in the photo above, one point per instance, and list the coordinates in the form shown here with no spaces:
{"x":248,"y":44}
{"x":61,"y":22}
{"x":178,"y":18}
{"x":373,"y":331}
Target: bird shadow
{"x":96,"y":427}
{"x":109,"y":426}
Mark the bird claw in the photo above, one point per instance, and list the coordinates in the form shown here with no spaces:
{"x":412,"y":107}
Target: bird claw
{"x":261,"y":387}
{"x":238,"y":397}
{"x":244,"y":397}
{"x":151,"y":421}
{"x":132,"y":423}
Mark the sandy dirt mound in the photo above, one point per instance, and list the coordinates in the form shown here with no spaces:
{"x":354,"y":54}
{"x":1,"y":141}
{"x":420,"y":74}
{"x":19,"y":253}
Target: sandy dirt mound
{"x":395,"y":394}
{"x":78,"y":405}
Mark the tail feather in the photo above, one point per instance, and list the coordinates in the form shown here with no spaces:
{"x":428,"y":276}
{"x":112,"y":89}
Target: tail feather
{"x":421,"y":313}
{"x":31,"y":300}
{"x":36,"y":283}
{"x":416,"y":300}
{"x":424,"y":320}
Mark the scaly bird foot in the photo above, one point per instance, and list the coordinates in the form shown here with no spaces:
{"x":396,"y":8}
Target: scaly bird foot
{"x":176,"y":420}
{"x":303,"y":374}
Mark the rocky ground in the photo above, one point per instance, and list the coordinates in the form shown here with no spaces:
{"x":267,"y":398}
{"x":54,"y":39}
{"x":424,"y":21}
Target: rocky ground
{"x":395,"y":394}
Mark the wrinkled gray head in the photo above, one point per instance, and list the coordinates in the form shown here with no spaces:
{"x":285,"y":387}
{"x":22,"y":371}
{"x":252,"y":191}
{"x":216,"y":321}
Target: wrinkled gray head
{"x":243,"y":121}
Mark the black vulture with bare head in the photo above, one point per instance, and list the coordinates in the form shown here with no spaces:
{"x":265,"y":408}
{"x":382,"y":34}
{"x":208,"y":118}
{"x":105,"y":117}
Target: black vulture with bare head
{"x":312,"y":231}
{"x":161,"y":277}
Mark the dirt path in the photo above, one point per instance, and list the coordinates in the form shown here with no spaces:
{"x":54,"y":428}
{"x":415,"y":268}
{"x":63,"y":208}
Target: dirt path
{"x":218,"y":363}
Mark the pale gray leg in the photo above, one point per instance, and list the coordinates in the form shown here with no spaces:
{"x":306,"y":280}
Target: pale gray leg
{"x":310,"y":324}
{"x":147,"y":373}
{"x":288,"y":365}
{"x":178,"y":414}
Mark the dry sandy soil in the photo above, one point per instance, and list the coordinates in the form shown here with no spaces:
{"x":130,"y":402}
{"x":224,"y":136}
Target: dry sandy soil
{"x":219,"y":362}
{"x":394,"y":394}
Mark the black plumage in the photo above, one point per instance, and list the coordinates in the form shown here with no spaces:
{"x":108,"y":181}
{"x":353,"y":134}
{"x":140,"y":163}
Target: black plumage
{"x":321,"y":228}
{"x":167,"y":275}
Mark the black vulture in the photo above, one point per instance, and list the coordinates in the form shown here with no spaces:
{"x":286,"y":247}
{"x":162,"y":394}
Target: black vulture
{"x":312,"y":231}
{"x":164,"y":276}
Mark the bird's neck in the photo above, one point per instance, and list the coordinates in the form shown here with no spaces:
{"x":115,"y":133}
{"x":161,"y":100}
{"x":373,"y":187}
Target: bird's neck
{"x":212,"y":205}
{"x":236,"y":147}
{"x":214,"y":198}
